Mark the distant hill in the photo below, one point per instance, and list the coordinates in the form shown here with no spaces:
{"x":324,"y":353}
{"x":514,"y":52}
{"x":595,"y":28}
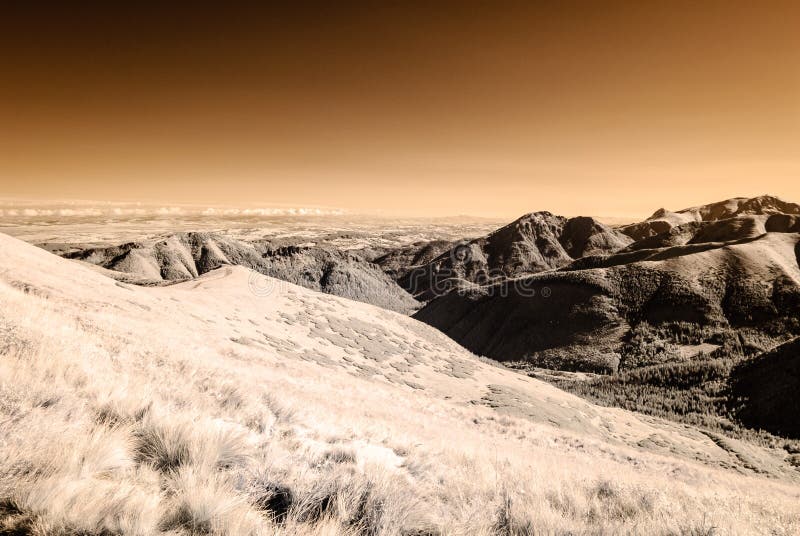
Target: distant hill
{"x":533,"y":243}
{"x":183,"y":256}
{"x":724,"y":282}
{"x":662,"y":221}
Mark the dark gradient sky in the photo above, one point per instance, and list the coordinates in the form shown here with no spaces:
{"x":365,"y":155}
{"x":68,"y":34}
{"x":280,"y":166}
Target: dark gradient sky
{"x":605,"y":108}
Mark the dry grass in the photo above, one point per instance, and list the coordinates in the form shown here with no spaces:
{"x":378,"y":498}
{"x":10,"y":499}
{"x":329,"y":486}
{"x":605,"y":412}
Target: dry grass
{"x":101,"y":435}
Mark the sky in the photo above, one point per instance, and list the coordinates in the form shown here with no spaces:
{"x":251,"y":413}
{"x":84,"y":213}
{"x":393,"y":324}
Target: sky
{"x":418,"y":108}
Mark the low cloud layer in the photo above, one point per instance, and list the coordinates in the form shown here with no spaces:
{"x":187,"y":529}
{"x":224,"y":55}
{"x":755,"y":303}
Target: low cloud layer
{"x":51,"y":210}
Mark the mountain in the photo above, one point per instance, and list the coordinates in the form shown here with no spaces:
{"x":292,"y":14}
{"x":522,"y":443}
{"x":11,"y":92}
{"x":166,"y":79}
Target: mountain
{"x":183,"y":256}
{"x":633,"y":308}
{"x":764,"y":391}
{"x":336,"y":272}
{"x":176,"y":257}
{"x":399,"y":261}
{"x":205,"y":408}
{"x":662,"y":221}
{"x":535,"y":242}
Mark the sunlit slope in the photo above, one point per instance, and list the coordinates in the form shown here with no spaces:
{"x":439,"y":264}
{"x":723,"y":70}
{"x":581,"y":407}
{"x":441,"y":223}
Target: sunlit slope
{"x":182,"y":256}
{"x":239,"y":404}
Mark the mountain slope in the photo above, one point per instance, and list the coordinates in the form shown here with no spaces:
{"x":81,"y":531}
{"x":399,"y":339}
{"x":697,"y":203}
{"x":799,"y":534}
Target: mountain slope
{"x":535,"y":242}
{"x":204,"y":407}
{"x":398,"y":262}
{"x":764,"y":391}
{"x":586,"y":316}
{"x":184,"y":256}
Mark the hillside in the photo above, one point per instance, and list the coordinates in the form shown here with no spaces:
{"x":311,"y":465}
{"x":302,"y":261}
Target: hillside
{"x":764,"y":391}
{"x":400,"y":261}
{"x":634,"y":308}
{"x":204,"y":407}
{"x":535,"y":242}
{"x":744,"y":397}
{"x":183,"y":256}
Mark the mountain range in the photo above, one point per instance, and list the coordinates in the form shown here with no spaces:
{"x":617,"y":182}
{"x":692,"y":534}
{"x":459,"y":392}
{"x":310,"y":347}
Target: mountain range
{"x":203,"y":407}
{"x":550,"y":291}
{"x":182,"y":256}
{"x":732,"y":283}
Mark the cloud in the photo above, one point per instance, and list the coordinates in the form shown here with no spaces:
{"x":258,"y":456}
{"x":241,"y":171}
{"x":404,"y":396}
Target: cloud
{"x":272,"y":211}
{"x":123,"y":211}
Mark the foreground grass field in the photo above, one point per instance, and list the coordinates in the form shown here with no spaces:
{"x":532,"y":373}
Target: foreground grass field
{"x":241,"y":405}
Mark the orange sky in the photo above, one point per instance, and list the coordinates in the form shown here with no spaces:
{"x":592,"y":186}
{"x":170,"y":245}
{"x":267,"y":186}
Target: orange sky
{"x":594,"y":108}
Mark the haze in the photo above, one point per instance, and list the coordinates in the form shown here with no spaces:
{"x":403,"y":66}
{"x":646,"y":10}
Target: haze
{"x":483,"y":110}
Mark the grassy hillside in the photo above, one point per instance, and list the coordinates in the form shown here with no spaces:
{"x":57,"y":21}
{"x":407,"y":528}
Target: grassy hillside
{"x":220,"y":406}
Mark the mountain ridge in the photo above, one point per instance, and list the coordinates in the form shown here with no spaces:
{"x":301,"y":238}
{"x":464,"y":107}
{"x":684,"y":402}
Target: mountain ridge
{"x":535,"y":242}
{"x":663,"y":220}
{"x":752,"y":282}
{"x":182,"y":256}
